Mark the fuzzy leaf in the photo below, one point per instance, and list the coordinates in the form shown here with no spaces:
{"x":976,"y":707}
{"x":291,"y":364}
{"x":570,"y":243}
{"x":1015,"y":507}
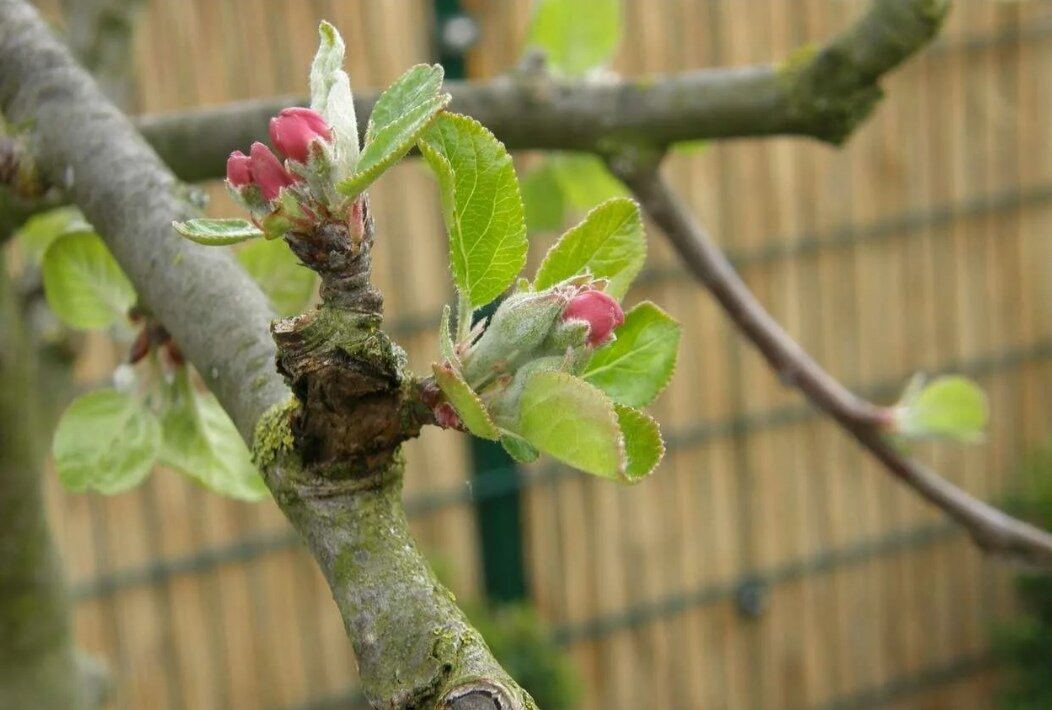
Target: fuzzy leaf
{"x":83,"y":283}
{"x":466,"y":402}
{"x":643,"y":445}
{"x":576,"y":35}
{"x":571,"y":420}
{"x":218,"y":232}
{"x":106,"y":441}
{"x":445,"y":340}
{"x":201,"y":442}
{"x":951,"y":407}
{"x":481,"y":205}
{"x":289,"y":286}
{"x":402,"y":113}
{"x":330,"y":91}
{"x":609,"y":243}
{"x":639,"y":363}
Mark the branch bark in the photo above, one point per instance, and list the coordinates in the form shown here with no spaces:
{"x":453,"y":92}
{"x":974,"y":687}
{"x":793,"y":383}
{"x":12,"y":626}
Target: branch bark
{"x":820,"y":92}
{"x":992,"y":530}
{"x":415,"y":647}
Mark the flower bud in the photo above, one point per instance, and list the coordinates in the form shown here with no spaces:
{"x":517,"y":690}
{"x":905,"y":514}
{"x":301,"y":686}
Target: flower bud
{"x":447,"y":417}
{"x":292,"y":131}
{"x":239,"y":169}
{"x":267,"y":171}
{"x":600,"y":310}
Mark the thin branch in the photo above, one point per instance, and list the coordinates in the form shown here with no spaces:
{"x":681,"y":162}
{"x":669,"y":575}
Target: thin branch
{"x":991,"y":529}
{"x":821,"y":92}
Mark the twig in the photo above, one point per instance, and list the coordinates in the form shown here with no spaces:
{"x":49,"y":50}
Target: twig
{"x":992,"y":529}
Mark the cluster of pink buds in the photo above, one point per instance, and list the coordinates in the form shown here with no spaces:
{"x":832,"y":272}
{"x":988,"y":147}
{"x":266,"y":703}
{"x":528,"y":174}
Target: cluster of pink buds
{"x":292,"y":132}
{"x":599,"y":310}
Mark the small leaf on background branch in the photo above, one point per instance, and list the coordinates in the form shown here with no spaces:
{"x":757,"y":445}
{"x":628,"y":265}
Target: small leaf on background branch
{"x":106,"y":441}
{"x":609,"y":243}
{"x":481,"y":206}
{"x":467,"y":403}
{"x":950,"y":407}
{"x":643,"y":445}
{"x":569,"y":419}
{"x":576,"y":35}
{"x":40,"y":230}
{"x":83,"y":283}
{"x":401,"y":114}
{"x":542,"y":194}
{"x":201,"y":442}
{"x":637,"y":366}
{"x":288,"y":285}
{"x":218,"y":232}
{"x":585,"y":180}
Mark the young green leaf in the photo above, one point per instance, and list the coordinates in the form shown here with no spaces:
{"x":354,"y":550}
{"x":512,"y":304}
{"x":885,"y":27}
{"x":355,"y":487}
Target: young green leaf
{"x":468,"y":405}
{"x":201,"y":442}
{"x":542,"y":195}
{"x":951,"y":407}
{"x":445,"y":340}
{"x":105,"y":441}
{"x":272,"y":265}
{"x":83,"y":283}
{"x":402,"y":113}
{"x":576,"y":35}
{"x":571,"y":420}
{"x":643,"y":445}
{"x":609,"y":243}
{"x":40,"y":230}
{"x":639,"y":363}
{"x":517,"y":447}
{"x":218,"y":232}
{"x":481,"y":205}
{"x":330,"y":95}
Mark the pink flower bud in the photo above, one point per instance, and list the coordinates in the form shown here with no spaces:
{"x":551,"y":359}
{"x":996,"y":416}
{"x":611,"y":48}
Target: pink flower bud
{"x":292,"y":131}
{"x":239,"y":169}
{"x":267,"y":171}
{"x":599,"y":310}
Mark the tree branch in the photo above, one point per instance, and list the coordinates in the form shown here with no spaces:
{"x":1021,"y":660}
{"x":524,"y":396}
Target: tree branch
{"x":991,"y":529}
{"x":823,"y":93}
{"x":414,"y":645}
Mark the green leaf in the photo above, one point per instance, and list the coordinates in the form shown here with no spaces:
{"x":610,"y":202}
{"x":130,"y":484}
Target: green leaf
{"x":609,"y":243}
{"x":576,"y":35}
{"x":643,"y":445}
{"x":517,"y":447}
{"x":330,"y":95}
{"x":218,"y":232}
{"x":272,"y":265}
{"x":402,"y":113}
{"x":571,"y":420}
{"x":638,"y":365}
{"x":83,"y":283}
{"x":950,"y":407}
{"x":40,"y":230}
{"x":201,"y":442}
{"x":105,"y":441}
{"x":542,"y":194}
{"x":468,"y":405}
{"x":584,"y":179}
{"x":481,"y":205}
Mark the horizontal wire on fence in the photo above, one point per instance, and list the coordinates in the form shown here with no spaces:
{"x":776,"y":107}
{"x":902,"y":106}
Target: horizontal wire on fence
{"x":905,"y":686}
{"x":484,"y":487}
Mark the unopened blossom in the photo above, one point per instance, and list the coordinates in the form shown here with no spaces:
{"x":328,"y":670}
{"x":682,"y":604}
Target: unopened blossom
{"x":600,"y":310}
{"x":294,"y":129}
{"x":239,"y":169}
{"x":268,"y":172}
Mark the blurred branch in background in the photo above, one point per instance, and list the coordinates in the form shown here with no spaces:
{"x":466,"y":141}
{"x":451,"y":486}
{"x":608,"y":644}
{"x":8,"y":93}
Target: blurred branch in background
{"x":821,"y":92}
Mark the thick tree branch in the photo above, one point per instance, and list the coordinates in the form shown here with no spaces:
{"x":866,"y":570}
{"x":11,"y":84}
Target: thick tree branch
{"x":820,"y":92}
{"x":991,"y":529}
{"x":415,"y":647}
